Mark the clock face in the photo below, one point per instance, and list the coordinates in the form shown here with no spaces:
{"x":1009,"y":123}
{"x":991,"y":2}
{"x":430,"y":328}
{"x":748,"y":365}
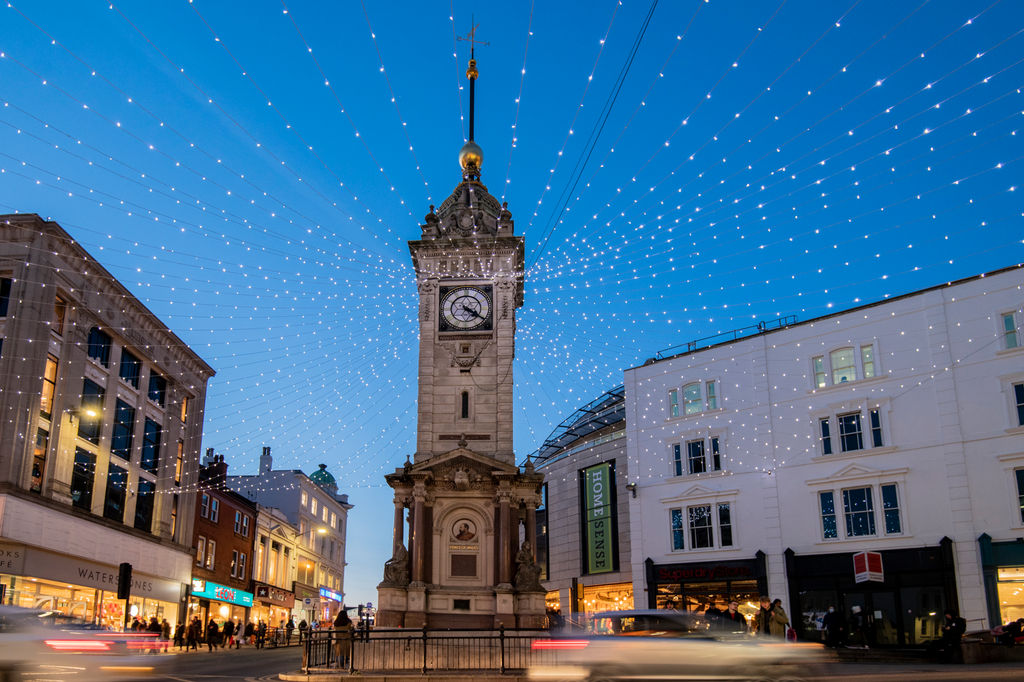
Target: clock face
{"x":465,"y":308}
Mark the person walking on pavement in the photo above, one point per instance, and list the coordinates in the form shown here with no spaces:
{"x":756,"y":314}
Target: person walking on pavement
{"x":953,"y":628}
{"x":779,"y":621}
{"x":833,"y":626}
{"x":227,"y":633}
{"x":212,"y":630}
{"x":179,"y":635}
{"x":250,"y":632}
{"x":261,"y":634}
{"x":763,"y":618}
{"x":732,"y":620}
{"x":289,"y":628}
{"x":303,"y":626}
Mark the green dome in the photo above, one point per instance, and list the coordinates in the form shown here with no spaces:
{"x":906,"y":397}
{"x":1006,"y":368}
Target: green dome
{"x":323,"y":477}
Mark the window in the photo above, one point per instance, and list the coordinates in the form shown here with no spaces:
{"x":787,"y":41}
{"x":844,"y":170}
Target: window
{"x":241,"y":565}
{"x":144,"y":505}
{"x":157,"y":389}
{"x":1010,"y":338}
{"x":1018,"y":395}
{"x":725,"y":525}
{"x":850,"y":436}
{"x":700,"y":527}
{"x":238,"y":522}
{"x":673,"y":403}
{"x":211,"y":551}
{"x":858,"y":512}
{"x":150,"y":460}
{"x":245,"y":526}
{"x":828,"y":515}
{"x":716,"y":455}
{"x":82,"y":476}
{"x":867,"y":360}
{"x":124,"y":428}
{"x":695,"y":463}
{"x":117,"y":484}
{"x":179,"y":462}
{"x":1020,"y":492}
{"x":334,"y":520}
{"x":818,"y":362}
{"x":39,"y":460}
{"x":678,"y":532}
{"x":214,"y":509}
{"x":5,"y":295}
{"x":185,"y":402}
{"x":131,"y":368}
{"x":234,"y":562}
{"x":60,"y":310}
{"x":324,"y":514}
{"x":99,"y":346}
{"x":465,"y":404}
{"x":677,"y":459}
{"x":312,"y":506}
{"x":303,"y":499}
{"x":204,"y":506}
{"x":261,"y":549}
{"x":712,"y":397}
{"x":843,"y":367}
{"x":49,"y":386}
{"x":92,"y":400}
{"x":174,"y":515}
{"x":200,"y":550}
{"x":692,"y":399}
{"x":851,"y":431}
{"x":891,"y":509}
{"x":860,"y":518}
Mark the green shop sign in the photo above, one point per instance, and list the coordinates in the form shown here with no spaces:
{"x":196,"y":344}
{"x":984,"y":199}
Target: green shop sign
{"x":597,"y":506}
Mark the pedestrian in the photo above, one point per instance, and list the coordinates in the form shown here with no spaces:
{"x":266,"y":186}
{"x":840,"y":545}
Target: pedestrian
{"x":250,"y":632}
{"x":342,"y":638}
{"x":713,"y":614}
{"x":762,"y":621}
{"x":834,"y":628}
{"x":179,"y":635}
{"x":212,"y":630}
{"x":779,"y":621}
{"x":165,"y":634}
{"x":155,"y":630}
{"x":858,"y":637}
{"x":191,"y":635}
{"x":227,"y":633}
{"x":303,"y":626}
{"x":289,"y":628}
{"x":953,"y":628}
{"x":731,"y":620}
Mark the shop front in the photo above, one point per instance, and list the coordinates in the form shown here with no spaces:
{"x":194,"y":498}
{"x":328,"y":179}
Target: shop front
{"x":272,"y":605}
{"x":307,"y":603}
{"x":219,"y":602}
{"x":901,"y":604}
{"x":695,"y":586}
{"x":330,"y":603}
{"x":1002,"y":566}
{"x":33,"y":578}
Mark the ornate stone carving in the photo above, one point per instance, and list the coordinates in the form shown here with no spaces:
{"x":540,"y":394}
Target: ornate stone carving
{"x":396,"y":569}
{"x":527,"y":571}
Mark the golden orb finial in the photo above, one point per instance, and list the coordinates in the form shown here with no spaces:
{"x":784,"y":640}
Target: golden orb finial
{"x":471,"y":156}
{"x":471,"y":72}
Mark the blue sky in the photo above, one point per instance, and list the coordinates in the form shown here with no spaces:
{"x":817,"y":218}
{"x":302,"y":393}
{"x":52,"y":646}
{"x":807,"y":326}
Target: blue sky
{"x":252,"y":176}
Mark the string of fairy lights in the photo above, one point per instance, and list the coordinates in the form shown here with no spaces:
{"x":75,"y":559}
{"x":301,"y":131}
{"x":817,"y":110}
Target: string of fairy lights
{"x":281,"y":263}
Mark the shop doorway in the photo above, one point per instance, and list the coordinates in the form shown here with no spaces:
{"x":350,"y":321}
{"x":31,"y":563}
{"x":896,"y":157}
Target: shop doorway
{"x":910,"y":616}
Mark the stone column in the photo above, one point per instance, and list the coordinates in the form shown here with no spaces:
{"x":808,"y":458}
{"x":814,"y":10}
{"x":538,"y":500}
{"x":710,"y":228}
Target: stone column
{"x":399,"y":531}
{"x":531,"y":524}
{"x":504,"y":538}
{"x":418,"y":537}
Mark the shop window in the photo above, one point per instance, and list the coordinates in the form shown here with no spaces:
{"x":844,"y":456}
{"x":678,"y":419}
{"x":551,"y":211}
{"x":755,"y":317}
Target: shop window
{"x":60,"y":312}
{"x":131,"y":368}
{"x":39,"y":460}
{"x":200,"y":550}
{"x":1011,"y":338}
{"x":5,"y":295}
{"x":1018,"y":396}
{"x":1010,"y":593}
{"x":99,"y":346}
{"x":157,"y":389}
{"x":144,"y":505}
{"x":117,"y":484}
{"x":124,"y":430}
{"x":49,"y":386}
{"x":150,"y":459}
{"x":673,"y":403}
{"x":83,"y":475}
{"x":92,"y":401}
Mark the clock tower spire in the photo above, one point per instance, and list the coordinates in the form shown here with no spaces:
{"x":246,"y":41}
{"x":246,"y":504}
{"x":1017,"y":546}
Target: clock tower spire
{"x":462,"y":498}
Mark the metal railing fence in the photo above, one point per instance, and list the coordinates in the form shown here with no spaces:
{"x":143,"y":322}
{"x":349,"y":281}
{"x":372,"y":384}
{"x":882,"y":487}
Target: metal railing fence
{"x":402,"y":650}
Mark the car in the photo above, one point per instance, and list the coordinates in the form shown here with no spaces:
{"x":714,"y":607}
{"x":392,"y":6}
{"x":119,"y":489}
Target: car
{"x":44,"y":645}
{"x":664,"y":645}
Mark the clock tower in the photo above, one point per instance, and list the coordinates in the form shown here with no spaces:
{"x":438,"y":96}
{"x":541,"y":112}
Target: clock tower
{"x":468,"y":508}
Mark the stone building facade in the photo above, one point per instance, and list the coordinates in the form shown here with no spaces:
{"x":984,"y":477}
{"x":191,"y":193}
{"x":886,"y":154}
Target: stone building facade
{"x":102,"y":418}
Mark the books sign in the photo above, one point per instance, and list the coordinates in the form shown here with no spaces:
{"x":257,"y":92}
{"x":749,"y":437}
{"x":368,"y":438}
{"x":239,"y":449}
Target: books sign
{"x":867,"y":567}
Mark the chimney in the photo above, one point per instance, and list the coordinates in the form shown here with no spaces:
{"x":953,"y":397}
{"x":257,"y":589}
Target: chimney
{"x":266,"y":461}
{"x":214,"y":473}
{"x":209,"y":456}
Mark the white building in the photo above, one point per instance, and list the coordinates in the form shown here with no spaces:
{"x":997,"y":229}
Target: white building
{"x":764,"y":463}
{"x":311,"y":504}
{"x":99,"y":445}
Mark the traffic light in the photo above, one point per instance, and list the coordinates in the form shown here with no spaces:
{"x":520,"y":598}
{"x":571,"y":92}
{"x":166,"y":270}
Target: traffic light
{"x":124,"y":581}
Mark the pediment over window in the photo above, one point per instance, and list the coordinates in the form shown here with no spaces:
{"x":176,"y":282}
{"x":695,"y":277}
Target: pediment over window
{"x":859,"y":472}
{"x":699,"y":492}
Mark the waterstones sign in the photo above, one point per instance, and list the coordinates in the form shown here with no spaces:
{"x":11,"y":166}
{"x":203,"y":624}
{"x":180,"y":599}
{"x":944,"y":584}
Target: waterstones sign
{"x":597,"y":510}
